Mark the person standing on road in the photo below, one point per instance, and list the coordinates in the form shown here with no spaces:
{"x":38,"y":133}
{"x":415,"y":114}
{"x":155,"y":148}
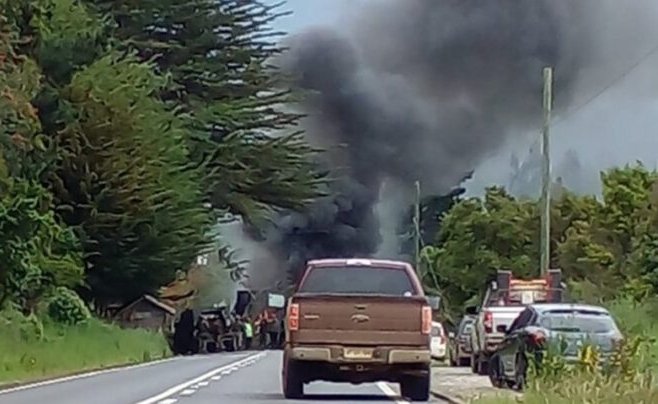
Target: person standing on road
{"x":248,"y":333}
{"x":273,"y":329}
{"x":260,"y":331}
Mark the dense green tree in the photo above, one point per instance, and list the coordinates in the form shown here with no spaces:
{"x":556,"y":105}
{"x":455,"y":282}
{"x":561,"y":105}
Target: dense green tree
{"x":37,"y":254}
{"x":115,"y":159}
{"x":124,"y":180}
{"x":218,"y":53}
{"x":604,"y":247}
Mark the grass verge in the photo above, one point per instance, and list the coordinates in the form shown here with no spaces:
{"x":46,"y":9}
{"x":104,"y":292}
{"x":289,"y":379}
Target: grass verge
{"x":33,"y":350}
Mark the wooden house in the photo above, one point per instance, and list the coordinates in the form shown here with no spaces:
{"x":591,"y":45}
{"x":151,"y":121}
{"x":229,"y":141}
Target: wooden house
{"x":147,"y":312}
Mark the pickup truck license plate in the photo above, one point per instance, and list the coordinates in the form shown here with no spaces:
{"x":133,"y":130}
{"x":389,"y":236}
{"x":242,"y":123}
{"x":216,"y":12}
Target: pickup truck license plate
{"x":357,"y":353}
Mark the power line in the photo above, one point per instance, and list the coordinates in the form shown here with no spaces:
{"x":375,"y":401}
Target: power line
{"x":617,"y":80}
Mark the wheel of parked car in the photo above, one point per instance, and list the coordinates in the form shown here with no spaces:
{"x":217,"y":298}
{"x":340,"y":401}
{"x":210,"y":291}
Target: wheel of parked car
{"x":416,"y":388}
{"x":520,"y":370}
{"x":495,"y":372}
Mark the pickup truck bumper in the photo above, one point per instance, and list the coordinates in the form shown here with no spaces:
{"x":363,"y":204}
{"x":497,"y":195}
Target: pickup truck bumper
{"x":380,"y":355}
{"x":491,"y":342}
{"x":329,"y":363}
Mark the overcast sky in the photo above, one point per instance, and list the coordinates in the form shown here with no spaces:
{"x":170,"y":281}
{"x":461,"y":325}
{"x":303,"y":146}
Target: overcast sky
{"x":618,"y":127}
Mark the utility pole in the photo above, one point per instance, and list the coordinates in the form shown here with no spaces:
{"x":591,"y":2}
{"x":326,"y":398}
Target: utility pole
{"x":417,"y":227}
{"x":545,"y":253}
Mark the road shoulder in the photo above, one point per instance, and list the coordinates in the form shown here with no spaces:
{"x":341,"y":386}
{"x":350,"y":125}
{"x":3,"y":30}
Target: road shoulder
{"x":459,"y":385}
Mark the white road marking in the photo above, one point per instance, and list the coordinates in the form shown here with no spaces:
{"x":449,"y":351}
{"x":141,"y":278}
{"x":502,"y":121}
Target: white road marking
{"x":168,"y":401}
{"x":202,"y":384}
{"x":215,"y":377}
{"x":183,"y":386}
{"x":187,"y":392}
{"x":85,"y":375}
{"x":391,"y":393}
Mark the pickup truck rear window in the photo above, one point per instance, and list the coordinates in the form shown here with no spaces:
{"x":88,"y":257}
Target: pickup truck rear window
{"x":361,"y":280}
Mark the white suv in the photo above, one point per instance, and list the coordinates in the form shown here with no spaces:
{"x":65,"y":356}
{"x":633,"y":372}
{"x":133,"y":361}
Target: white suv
{"x":439,"y":344}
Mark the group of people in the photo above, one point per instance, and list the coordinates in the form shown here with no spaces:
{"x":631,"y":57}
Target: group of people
{"x":266,"y":331}
{"x":270,"y":329}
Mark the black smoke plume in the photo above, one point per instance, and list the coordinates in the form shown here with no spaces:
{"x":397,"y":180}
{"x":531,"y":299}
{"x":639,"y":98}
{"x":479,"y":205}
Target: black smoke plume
{"x":421,"y":90}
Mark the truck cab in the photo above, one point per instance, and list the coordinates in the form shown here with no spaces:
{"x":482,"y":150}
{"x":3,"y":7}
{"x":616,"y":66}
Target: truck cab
{"x":359,"y":321}
{"x":504,"y":298}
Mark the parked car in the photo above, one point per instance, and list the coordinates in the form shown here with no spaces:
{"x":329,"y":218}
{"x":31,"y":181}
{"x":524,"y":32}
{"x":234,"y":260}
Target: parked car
{"x":538,"y":325}
{"x":503,"y":301}
{"x":459,"y":346}
{"x":439,"y":341}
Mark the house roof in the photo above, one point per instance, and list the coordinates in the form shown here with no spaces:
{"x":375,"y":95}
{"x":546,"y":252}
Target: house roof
{"x":159,"y":304}
{"x":152,"y":300}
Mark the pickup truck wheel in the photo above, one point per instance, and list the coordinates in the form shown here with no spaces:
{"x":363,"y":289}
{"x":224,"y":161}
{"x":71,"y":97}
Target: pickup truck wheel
{"x":293,"y":387}
{"x":482,"y":365}
{"x":416,"y":388}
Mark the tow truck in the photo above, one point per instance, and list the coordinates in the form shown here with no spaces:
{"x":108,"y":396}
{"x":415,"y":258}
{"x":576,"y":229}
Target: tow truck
{"x":504,"y":298}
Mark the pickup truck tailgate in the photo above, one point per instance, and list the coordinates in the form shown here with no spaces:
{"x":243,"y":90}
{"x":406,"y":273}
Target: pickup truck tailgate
{"x":360,"y":320}
{"x":504,"y":316}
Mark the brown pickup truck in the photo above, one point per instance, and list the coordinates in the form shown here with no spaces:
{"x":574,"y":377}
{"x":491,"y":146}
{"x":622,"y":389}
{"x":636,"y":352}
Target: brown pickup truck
{"x":359,"y":321}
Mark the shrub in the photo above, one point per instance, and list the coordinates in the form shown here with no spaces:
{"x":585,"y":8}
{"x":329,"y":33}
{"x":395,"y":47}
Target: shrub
{"x":25,"y":328}
{"x":66,"y":307}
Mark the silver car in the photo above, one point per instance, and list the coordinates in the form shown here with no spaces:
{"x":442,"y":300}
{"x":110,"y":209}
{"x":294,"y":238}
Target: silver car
{"x":460,"y":345}
{"x":538,"y":325}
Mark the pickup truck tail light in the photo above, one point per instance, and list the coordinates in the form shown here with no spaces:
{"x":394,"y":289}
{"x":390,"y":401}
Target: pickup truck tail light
{"x":426,"y":320}
{"x":488,"y":322}
{"x":293,"y":317}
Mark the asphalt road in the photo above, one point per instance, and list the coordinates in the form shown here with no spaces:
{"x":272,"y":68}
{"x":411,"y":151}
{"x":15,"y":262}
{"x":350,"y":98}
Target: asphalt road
{"x":246,"y":377}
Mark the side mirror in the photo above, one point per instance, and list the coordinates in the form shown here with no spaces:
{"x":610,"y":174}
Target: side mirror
{"x":471,"y":310}
{"x":434,"y":302}
{"x":451,"y":335}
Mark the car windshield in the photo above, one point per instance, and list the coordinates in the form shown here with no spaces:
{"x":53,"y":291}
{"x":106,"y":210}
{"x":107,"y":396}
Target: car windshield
{"x":590,"y":322}
{"x":368,"y":280}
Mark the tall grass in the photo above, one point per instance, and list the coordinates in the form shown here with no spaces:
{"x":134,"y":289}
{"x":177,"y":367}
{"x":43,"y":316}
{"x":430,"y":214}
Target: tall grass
{"x":32,"y":349}
{"x":627,"y":380}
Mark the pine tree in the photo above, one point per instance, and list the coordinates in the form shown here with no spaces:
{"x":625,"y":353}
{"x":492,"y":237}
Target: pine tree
{"x":218,"y":53}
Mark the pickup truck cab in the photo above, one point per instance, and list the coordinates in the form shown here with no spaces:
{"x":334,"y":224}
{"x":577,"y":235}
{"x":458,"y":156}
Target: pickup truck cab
{"x":504,"y":299}
{"x":358,"y":321}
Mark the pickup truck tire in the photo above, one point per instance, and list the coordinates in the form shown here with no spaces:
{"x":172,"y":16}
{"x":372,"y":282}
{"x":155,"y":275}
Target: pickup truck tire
{"x":482,"y":365}
{"x":416,"y":388}
{"x":293,"y":387}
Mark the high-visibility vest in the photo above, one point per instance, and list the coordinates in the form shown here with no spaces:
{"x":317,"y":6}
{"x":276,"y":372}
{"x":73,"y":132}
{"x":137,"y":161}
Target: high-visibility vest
{"x":248,"y":330}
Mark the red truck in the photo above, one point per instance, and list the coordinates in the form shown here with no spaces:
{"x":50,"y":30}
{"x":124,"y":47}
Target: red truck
{"x":359,"y":321}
